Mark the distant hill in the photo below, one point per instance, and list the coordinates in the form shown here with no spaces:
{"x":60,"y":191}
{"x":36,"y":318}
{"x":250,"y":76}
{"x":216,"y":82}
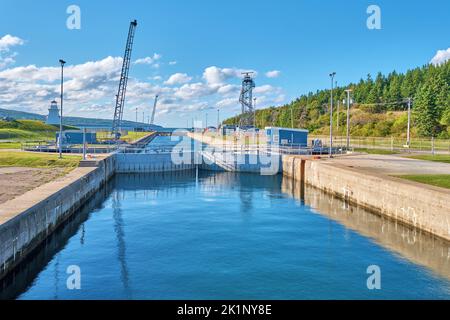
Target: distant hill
{"x":74,"y":121}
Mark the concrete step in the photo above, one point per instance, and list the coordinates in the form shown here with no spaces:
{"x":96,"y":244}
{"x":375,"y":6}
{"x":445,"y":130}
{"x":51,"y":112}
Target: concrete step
{"x":88,"y":163}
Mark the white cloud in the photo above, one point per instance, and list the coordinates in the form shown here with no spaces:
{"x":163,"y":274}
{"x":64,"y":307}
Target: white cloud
{"x":172,"y":63}
{"x":214,"y":75}
{"x":228,"y":89}
{"x":149,"y":60}
{"x":194,"y":91}
{"x":265,"y":89}
{"x":441,"y":57}
{"x":228,"y":102}
{"x":90,"y":89}
{"x":273,"y":74}
{"x":178,"y":78}
{"x":6,"y":43}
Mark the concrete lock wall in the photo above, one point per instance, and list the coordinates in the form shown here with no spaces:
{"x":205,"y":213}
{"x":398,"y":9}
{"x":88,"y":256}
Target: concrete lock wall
{"x":142,"y":162}
{"x":425,"y":208}
{"x":26,"y":230}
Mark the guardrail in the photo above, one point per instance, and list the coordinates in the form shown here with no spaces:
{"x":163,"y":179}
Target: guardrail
{"x":425,"y":145}
{"x":238,"y":149}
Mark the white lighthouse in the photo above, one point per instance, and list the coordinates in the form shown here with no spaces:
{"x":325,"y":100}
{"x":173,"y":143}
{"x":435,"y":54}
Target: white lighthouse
{"x":53,"y":113}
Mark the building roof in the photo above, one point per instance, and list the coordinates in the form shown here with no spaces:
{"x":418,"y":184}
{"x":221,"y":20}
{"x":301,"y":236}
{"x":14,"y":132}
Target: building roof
{"x":288,"y":129}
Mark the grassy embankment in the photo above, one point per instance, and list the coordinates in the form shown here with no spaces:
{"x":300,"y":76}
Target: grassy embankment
{"x":13,"y":133}
{"x":438,"y":180}
{"x":375,"y":151}
{"x":436,"y":158}
{"x":131,"y":136}
{"x":38,"y":160}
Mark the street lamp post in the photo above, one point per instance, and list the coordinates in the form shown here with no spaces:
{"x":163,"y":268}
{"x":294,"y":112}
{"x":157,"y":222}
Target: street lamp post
{"x":337,"y":112}
{"x":62,"y":62}
{"x":254,"y":112}
{"x":348,"y":117}
{"x":408,"y":133}
{"x":332,"y":75}
{"x":218,"y":119}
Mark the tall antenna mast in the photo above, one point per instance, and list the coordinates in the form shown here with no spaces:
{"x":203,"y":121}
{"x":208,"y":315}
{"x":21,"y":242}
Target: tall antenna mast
{"x":246,"y":100}
{"x":120,"y":97}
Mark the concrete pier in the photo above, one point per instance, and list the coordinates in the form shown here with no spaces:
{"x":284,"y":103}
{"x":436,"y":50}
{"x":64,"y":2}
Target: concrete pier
{"x":420,"y":206}
{"x":28,"y":219}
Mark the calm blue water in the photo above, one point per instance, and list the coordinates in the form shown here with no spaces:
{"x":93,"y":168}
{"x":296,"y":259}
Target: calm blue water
{"x":221,"y":236}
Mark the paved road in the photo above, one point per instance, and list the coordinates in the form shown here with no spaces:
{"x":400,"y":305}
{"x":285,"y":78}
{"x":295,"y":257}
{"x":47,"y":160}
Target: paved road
{"x":391,"y":164}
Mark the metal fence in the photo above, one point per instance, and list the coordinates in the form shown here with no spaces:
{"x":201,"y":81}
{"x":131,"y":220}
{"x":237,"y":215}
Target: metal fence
{"x":395,"y":144}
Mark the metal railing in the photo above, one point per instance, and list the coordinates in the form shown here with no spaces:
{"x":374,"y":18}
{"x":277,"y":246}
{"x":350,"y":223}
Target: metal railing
{"x":395,"y":144}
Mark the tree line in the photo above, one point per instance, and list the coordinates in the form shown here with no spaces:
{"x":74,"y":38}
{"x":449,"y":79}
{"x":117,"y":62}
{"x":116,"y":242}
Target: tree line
{"x":378,"y":109}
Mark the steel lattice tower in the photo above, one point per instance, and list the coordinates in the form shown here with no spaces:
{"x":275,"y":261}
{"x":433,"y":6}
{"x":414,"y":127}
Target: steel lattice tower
{"x":246,"y":99}
{"x":120,"y":97}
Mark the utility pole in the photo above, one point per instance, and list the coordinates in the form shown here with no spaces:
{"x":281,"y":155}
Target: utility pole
{"x":348,"y":117}
{"x":136,"y":115}
{"x":337,"y":115}
{"x":292,"y":117}
{"x":408,"y":133}
{"x":332,"y":75}
{"x":62,"y":62}
{"x":254,"y":108}
{"x":84,"y":143}
{"x":218,"y":119}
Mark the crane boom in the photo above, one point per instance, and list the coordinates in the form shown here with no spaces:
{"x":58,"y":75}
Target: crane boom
{"x":120,"y":97}
{"x":154,"y":109}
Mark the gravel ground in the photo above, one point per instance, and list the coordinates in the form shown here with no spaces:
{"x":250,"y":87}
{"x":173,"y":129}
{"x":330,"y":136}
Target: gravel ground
{"x":16,"y":181}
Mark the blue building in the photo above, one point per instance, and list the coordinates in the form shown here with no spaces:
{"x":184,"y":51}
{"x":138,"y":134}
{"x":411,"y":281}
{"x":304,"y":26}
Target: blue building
{"x":287,"y":136}
{"x":76,"y":137}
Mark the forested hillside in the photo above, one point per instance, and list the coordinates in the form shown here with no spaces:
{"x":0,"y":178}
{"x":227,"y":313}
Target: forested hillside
{"x":379,"y":107}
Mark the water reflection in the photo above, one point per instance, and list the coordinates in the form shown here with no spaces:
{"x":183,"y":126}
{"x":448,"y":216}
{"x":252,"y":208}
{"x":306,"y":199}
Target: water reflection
{"x":277,"y":234}
{"x":121,"y":247}
{"x":412,"y":244}
{"x":23,"y":276}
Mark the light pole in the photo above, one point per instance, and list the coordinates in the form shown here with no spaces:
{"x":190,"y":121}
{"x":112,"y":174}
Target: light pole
{"x":62,"y":62}
{"x":408,"y":133}
{"x":332,"y":75}
{"x":348,"y":117}
{"x":254,"y":112}
{"x":292,"y":116}
{"x":136,"y":115}
{"x":218,"y":119}
{"x":338,"y":107}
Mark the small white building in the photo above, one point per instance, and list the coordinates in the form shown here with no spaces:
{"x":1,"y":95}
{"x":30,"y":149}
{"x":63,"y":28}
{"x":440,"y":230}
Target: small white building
{"x":53,"y":113}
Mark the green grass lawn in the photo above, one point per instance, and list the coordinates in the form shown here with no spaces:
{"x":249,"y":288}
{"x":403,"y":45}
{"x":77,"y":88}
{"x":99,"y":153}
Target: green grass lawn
{"x":37,"y":160}
{"x":437,"y":158}
{"x":10,"y":145}
{"x":438,"y":180}
{"x":22,"y":135}
{"x":375,"y":151}
{"x":25,"y":130}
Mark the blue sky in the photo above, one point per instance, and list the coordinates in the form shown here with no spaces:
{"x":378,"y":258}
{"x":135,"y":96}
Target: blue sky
{"x":205,"y":44}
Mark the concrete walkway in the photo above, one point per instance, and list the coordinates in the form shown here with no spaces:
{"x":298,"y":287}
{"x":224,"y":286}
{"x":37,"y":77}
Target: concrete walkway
{"x":389,"y":164}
